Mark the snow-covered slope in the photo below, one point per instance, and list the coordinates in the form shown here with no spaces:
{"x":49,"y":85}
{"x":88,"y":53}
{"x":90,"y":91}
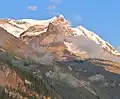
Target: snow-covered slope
{"x":97,"y":39}
{"x":16,"y":27}
{"x":28,"y":28}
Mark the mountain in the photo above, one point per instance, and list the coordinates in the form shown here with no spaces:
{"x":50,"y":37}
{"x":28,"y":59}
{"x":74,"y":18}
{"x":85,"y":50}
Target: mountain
{"x":48,"y":59}
{"x":29,"y":29}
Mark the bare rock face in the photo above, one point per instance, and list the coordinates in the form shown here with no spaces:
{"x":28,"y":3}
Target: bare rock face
{"x":53,"y":38}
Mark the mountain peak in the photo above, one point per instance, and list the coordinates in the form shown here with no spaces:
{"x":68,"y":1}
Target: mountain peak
{"x":28,"y":28}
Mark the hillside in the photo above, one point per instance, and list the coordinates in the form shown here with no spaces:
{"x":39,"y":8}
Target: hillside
{"x":75,"y":79}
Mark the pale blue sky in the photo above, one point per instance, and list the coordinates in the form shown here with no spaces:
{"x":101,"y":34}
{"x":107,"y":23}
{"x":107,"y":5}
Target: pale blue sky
{"x":100,"y":16}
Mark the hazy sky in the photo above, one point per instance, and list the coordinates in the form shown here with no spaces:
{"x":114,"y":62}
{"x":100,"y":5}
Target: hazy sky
{"x":100,"y":16}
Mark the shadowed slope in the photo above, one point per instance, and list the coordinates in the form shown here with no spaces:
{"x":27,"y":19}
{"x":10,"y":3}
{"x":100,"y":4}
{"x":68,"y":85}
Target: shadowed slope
{"x":12,"y":44}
